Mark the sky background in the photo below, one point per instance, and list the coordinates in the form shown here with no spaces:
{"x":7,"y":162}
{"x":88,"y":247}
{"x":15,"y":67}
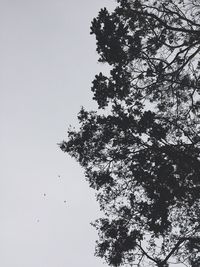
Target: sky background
{"x":47,"y":64}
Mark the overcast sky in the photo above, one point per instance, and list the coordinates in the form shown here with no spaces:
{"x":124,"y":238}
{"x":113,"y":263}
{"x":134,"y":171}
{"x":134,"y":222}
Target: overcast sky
{"x":47,"y":63}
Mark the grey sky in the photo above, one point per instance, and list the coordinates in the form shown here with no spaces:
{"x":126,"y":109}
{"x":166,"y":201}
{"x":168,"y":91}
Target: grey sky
{"x":47,"y":63}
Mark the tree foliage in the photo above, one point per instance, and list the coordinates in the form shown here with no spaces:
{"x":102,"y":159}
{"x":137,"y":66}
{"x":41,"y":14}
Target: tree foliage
{"x":141,"y":149}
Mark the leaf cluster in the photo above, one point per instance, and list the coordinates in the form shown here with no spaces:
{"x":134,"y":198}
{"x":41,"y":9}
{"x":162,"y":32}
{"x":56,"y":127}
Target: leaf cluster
{"x":140,"y":150}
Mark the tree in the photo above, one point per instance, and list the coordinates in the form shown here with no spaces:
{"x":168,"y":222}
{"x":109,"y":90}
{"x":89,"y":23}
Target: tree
{"x":141,"y":148}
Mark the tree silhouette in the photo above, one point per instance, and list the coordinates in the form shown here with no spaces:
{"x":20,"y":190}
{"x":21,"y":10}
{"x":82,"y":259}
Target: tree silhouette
{"x":141,"y":148}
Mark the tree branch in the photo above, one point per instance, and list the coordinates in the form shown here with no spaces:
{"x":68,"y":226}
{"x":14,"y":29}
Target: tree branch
{"x":196,"y":239}
{"x":165,"y":24}
{"x":169,"y":11}
{"x":145,"y":253}
{"x":174,"y":249}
